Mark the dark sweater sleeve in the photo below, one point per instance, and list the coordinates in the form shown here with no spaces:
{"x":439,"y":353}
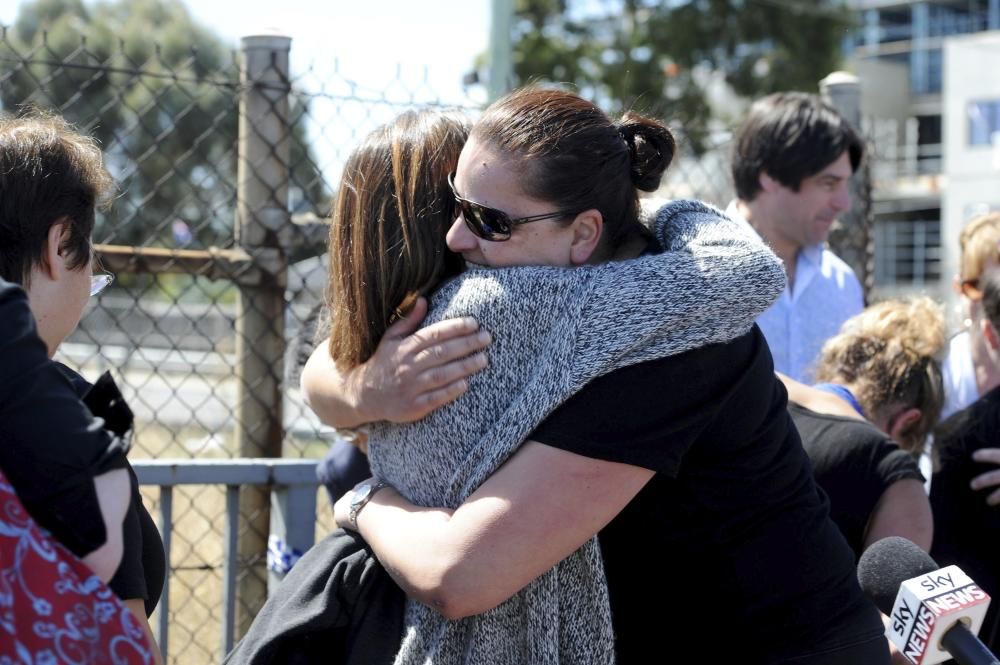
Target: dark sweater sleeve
{"x":51,"y":446}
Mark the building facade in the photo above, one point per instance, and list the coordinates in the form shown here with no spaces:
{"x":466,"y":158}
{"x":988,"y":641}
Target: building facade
{"x":930,"y":99}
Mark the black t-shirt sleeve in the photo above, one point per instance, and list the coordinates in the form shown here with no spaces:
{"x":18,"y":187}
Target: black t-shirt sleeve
{"x":143,"y":567}
{"x":854,"y":463}
{"x":51,"y":446}
{"x":895,"y":464}
{"x":129,"y":580}
{"x":648,"y":414}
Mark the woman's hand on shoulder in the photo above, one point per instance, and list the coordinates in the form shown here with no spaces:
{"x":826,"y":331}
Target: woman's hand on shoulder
{"x":415,"y":371}
{"x":412,"y":372}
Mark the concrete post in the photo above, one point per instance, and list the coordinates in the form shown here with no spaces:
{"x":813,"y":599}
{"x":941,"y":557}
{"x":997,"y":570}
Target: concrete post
{"x":501,"y":59}
{"x":853,"y":238}
{"x":262,"y":210}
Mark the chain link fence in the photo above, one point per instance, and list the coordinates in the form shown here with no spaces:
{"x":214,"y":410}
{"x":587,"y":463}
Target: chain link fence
{"x":226,"y":165}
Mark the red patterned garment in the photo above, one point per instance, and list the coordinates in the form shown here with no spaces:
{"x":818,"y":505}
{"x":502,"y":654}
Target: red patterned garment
{"x":53,"y":609}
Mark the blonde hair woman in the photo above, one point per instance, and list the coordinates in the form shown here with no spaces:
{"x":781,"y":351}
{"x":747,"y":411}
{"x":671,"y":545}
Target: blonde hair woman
{"x":881,"y":368}
{"x":968,"y":372}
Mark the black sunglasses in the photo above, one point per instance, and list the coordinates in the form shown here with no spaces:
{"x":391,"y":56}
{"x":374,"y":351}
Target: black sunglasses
{"x":490,"y":223}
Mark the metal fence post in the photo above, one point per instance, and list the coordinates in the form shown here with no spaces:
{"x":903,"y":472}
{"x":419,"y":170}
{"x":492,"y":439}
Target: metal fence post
{"x":293,"y":519}
{"x":501,"y":79}
{"x":853,"y":240}
{"x":262,"y":210}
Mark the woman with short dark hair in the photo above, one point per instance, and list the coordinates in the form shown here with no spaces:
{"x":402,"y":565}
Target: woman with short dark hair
{"x":52,"y":181}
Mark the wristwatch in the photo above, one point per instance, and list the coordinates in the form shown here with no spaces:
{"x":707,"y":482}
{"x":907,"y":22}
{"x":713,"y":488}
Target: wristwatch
{"x":362,"y":495}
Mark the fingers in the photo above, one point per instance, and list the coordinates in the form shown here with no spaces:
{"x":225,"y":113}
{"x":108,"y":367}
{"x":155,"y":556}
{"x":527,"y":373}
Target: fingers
{"x":443,"y":353}
{"x":990,"y":479}
{"x":987,"y":455}
{"x":986,"y":480}
{"x":451,"y":372}
{"x":435,"y":399}
{"x":440,"y":386}
{"x":409,"y":323}
{"x":443,"y":331}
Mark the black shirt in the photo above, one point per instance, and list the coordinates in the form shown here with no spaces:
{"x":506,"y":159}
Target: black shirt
{"x":966,"y":529}
{"x":854,"y":463}
{"x":143,"y":568}
{"x":729,"y":548}
{"x":51,"y":446}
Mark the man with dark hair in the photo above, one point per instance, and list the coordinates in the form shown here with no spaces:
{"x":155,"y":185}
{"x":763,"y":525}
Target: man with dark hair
{"x":792,"y":162}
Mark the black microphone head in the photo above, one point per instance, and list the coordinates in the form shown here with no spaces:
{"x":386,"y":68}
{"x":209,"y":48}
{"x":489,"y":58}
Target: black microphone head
{"x":886,"y":564}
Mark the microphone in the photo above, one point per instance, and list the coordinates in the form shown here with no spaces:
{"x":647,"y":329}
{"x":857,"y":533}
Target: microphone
{"x":936,"y":613}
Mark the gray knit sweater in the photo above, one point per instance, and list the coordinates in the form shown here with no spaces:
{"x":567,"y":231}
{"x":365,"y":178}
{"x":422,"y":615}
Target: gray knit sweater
{"x":555,"y":329}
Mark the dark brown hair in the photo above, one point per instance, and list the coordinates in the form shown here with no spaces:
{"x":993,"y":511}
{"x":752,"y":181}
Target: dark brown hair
{"x":573,"y":156}
{"x":49,"y":174}
{"x":387,"y":235}
{"x":790,"y":136}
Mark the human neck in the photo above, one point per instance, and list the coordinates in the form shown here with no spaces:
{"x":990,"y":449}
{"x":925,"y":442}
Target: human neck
{"x":42,"y":319}
{"x":759,"y":219}
{"x":632,"y":246}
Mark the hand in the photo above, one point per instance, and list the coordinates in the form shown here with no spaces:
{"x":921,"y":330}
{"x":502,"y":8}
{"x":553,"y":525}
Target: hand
{"x":989,"y":479}
{"x":414,"y":372}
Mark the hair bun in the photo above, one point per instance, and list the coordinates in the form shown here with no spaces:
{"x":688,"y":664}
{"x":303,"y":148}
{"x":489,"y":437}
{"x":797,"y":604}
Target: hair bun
{"x":651,"y":148}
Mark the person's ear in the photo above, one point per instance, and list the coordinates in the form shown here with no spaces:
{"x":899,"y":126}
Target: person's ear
{"x":902,"y":422}
{"x":587,"y":229}
{"x":54,"y":257}
{"x":767,"y":183}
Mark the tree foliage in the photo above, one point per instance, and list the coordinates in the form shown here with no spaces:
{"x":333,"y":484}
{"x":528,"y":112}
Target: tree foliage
{"x":657,"y":56}
{"x":160,"y":92}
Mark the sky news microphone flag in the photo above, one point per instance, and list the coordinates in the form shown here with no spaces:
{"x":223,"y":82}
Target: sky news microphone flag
{"x":934,"y":614}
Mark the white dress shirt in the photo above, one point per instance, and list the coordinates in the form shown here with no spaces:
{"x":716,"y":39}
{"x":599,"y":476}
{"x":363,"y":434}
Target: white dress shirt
{"x":960,"y":389}
{"x":825,"y":294}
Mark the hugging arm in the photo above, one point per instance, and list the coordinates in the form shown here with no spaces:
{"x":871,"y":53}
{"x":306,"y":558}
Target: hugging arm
{"x":539,"y":507}
{"x":411,"y":373}
{"x":713,"y":279}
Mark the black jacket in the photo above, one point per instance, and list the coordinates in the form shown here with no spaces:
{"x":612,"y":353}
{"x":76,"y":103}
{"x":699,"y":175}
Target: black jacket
{"x":337,"y":606}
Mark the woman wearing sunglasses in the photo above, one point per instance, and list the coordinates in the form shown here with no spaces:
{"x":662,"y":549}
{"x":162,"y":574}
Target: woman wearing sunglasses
{"x":624,"y":401}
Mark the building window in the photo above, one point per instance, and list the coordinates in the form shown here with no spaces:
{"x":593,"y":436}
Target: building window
{"x":908,"y":248}
{"x":928,"y":144}
{"x":984,"y":121}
